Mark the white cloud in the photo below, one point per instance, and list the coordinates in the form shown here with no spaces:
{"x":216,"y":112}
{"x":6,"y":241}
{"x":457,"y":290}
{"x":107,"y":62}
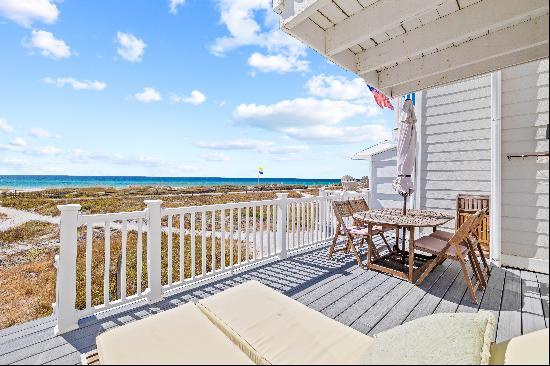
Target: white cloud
{"x":196,"y":98}
{"x":76,"y":84}
{"x":175,"y":4}
{"x":148,"y":95}
{"x":25,"y":12}
{"x":5,"y":126}
{"x":341,"y":134}
{"x":40,"y":133}
{"x":48,"y":45}
{"x":341,"y":88}
{"x":19,"y":142}
{"x":130,"y":47}
{"x":216,"y":156}
{"x":31,"y":150}
{"x":262,"y":146}
{"x":241,"y":20}
{"x":278,"y":63}
{"x":297,"y":112}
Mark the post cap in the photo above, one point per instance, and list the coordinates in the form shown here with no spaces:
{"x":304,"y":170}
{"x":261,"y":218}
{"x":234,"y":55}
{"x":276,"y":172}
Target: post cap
{"x":71,"y":207}
{"x":153,"y":202}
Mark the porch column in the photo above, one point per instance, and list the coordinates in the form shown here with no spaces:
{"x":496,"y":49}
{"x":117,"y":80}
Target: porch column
{"x":496,"y":178}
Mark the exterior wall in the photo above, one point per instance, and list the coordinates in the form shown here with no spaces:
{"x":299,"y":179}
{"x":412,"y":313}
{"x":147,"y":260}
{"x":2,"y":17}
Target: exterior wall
{"x":454,"y":126}
{"x":383,"y":172}
{"x":524,"y":113}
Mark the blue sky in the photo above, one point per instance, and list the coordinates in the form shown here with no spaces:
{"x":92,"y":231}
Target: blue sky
{"x":173,"y":88}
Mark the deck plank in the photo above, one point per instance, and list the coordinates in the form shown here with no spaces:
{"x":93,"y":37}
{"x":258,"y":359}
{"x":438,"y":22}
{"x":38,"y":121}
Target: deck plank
{"x":509,"y":324}
{"x":543,"y":286}
{"x":532,"y":316}
{"x":404,"y":306}
{"x":367,"y":300}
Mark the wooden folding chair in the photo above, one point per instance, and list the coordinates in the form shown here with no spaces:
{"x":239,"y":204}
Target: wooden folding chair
{"x":458,"y":248}
{"x":342,"y":210}
{"x":360,"y":205}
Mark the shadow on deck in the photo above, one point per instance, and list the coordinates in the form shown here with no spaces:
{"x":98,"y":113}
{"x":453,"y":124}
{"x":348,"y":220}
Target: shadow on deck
{"x":365,"y":300}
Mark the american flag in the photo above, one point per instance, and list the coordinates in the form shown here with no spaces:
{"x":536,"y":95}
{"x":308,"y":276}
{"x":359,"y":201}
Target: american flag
{"x":380,"y":98}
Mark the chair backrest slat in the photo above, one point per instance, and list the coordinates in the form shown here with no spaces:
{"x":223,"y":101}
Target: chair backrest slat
{"x":469,"y":226}
{"x":469,"y":204}
{"x":358,"y":205}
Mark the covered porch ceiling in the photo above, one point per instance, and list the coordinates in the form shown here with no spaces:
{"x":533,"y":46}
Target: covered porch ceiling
{"x":404,"y":46}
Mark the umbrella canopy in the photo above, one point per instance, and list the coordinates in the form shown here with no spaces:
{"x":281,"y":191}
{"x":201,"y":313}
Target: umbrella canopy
{"x":406,"y":150}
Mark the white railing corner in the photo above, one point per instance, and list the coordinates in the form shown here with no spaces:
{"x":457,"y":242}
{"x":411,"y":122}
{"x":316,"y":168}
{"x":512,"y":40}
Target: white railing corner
{"x":282,"y":205}
{"x":154,"y":235}
{"x":65,"y":310}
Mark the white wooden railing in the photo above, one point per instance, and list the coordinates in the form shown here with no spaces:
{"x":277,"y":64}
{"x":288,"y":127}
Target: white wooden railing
{"x":183,"y":246}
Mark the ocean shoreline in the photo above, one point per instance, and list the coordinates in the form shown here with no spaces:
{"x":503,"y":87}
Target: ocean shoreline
{"x":43,"y":182}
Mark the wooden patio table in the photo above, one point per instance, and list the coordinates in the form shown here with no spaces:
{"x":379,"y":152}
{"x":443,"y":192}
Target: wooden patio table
{"x":395,"y":218}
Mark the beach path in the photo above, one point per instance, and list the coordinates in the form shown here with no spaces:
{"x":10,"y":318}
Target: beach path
{"x":17,"y":217}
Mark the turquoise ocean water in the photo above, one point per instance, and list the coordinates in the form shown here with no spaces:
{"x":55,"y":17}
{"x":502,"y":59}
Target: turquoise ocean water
{"x":61,"y":181}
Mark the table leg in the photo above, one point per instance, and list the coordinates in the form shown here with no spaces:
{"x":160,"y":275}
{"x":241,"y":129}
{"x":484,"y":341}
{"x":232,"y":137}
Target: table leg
{"x":369,"y":247}
{"x":411,"y":255}
{"x":403,"y":245}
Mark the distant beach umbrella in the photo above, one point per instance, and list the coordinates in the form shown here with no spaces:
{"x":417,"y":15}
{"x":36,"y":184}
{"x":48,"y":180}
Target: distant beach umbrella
{"x":406,"y":152}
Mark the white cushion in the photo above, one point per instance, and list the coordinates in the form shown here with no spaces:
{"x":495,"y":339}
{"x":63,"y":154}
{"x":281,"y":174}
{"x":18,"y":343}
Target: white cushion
{"x":439,"y":339}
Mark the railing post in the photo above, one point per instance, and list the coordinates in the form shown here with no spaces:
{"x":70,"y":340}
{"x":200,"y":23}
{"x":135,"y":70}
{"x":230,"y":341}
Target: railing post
{"x":64,"y":308}
{"x":154,"y":235}
{"x":322,"y":217}
{"x":282,"y":205}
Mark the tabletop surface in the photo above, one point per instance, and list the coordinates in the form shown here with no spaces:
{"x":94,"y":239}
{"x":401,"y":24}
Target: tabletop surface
{"x":413,"y":218}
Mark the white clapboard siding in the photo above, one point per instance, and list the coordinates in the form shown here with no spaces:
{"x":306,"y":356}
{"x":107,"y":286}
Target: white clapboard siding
{"x":456,"y":143}
{"x":383,"y":172}
{"x":525,"y":181}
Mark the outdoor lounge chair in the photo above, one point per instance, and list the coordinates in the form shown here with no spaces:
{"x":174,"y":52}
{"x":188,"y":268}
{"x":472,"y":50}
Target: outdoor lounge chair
{"x":459,"y":248}
{"x":263,"y":326}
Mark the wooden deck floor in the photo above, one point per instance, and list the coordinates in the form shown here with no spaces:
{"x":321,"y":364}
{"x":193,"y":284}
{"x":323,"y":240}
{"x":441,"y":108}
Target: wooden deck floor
{"x":365,"y":300}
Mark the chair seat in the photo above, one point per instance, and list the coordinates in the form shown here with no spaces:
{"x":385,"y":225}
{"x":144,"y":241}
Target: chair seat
{"x":434,"y":245}
{"x":443,"y":235}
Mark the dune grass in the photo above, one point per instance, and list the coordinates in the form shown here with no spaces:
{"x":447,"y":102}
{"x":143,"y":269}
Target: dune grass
{"x":30,"y":231}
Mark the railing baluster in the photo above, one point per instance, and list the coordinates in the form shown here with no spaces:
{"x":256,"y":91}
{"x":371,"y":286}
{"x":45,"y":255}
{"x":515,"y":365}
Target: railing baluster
{"x":231,"y":238}
{"x":193,"y":249}
{"x":222,"y":252}
{"x":139,"y":259}
{"x":123,"y":260}
{"x":213,"y":241}
{"x":106,"y":277}
{"x":239,"y":235}
{"x":247,"y":232}
{"x":255,"y":234}
{"x":261,"y":231}
{"x":170,"y":230}
{"x":268,"y":228}
{"x":203,"y":242}
{"x":89,"y":243}
{"x":182,"y":248}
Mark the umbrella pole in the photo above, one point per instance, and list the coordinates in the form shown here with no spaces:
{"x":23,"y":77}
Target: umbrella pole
{"x":403,"y":240}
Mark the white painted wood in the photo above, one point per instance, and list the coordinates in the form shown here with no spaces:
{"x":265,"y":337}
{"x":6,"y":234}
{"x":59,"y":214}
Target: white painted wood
{"x":378,"y":18}
{"x":203,"y":243}
{"x":213,"y":241}
{"x":89,"y":244}
{"x":139,"y":261}
{"x":182,"y":247}
{"x":254,"y":231}
{"x":107,"y":266}
{"x":124,"y":233}
{"x":222,"y":224}
{"x":525,"y":181}
{"x":231,"y":239}
{"x":268,"y":226}
{"x":170,"y":249}
{"x":66,"y":275}
{"x":282,"y":209}
{"x":247,"y":233}
{"x":154,"y":208}
{"x":261,"y":223}
{"x":440,"y":33}
{"x":520,"y":37}
{"x":298,"y":11}
{"x":193,"y":245}
{"x":496,"y":171}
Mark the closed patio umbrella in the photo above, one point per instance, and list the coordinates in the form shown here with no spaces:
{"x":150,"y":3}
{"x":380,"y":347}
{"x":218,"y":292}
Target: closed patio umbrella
{"x":406,"y":152}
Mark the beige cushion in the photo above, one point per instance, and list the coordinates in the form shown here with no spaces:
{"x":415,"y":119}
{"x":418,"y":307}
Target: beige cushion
{"x":434,"y":245}
{"x":439,"y":339}
{"x":529,"y":349}
{"x":274,"y":329}
{"x":179,"y":336}
{"x":443,"y":235}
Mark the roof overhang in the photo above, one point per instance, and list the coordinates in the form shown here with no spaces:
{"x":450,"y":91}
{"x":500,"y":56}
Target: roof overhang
{"x":380,"y":148}
{"x":404,"y":46}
